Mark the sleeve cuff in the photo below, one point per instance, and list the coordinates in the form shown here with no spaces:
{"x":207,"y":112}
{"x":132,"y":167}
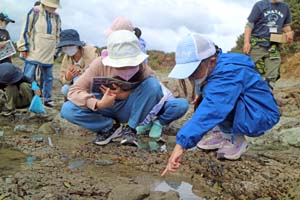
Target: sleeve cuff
{"x":250,"y":25}
{"x":91,"y":103}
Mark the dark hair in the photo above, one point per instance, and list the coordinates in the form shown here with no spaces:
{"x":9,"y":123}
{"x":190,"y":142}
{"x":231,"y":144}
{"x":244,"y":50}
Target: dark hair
{"x":37,"y":3}
{"x":137,"y":32}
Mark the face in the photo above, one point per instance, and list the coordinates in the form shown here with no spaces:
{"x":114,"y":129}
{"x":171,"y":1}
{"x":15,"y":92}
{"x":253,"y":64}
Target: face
{"x":3,"y":23}
{"x":126,"y":73}
{"x":204,"y":68}
{"x":49,"y":9}
{"x":70,"y":50}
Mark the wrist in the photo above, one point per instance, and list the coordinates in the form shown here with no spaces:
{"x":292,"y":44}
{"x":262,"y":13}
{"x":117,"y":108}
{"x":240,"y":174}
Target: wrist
{"x":99,"y":104}
{"x":67,"y":78}
{"x":246,"y":41}
{"x":179,"y":147}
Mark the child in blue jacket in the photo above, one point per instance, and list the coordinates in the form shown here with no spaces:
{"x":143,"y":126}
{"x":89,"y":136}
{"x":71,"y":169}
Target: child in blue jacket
{"x":235,"y":98}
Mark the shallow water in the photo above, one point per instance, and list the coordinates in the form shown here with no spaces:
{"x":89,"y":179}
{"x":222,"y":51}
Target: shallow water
{"x":11,"y":161}
{"x":184,"y":189}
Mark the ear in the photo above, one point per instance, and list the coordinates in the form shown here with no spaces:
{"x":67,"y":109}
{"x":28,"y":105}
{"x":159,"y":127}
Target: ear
{"x":213,"y":61}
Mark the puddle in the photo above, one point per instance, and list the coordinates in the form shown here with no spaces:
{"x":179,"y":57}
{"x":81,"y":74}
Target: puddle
{"x":152,"y":145}
{"x":11,"y":161}
{"x":184,"y":189}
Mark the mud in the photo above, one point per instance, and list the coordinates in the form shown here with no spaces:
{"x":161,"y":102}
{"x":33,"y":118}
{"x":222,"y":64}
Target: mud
{"x":45,"y":157}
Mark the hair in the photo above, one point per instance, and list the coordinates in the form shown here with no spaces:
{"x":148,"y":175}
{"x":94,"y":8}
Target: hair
{"x":182,"y":82}
{"x":137,"y":32}
{"x":37,"y":3}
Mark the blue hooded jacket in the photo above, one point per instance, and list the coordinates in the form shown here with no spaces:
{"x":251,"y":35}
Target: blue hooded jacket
{"x":235,"y":85}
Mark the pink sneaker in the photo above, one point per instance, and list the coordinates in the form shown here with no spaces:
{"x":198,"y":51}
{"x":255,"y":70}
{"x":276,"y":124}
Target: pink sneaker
{"x":211,"y":141}
{"x":233,"y":151}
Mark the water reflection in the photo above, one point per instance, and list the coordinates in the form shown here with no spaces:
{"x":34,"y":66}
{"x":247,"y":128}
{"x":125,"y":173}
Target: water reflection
{"x":11,"y":161}
{"x":152,"y":145}
{"x":184,"y":189}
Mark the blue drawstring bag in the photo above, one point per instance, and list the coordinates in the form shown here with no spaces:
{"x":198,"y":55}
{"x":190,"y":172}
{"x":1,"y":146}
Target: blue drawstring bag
{"x":36,"y":104}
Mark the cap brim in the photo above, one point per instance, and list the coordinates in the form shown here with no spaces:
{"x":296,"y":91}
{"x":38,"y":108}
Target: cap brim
{"x":70,"y":43}
{"x":124,"y":62}
{"x":183,"y":71}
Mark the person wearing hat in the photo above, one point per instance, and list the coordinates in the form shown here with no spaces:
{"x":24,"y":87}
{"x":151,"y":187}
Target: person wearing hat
{"x":37,"y":44}
{"x":4,"y":34}
{"x":138,"y":32}
{"x":235,"y":98}
{"x":77,"y":57}
{"x":98,"y":111}
{"x":17,"y":89}
{"x":152,"y":123}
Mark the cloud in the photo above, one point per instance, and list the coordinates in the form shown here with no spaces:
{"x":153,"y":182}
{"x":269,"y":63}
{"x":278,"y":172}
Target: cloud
{"x":163,"y":23}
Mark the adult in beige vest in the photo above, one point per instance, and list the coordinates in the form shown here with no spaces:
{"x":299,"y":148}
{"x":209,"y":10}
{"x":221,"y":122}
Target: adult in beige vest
{"x":38,"y":39}
{"x":77,"y":58}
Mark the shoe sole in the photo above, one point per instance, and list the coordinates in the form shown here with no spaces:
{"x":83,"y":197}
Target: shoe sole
{"x":123,"y":142}
{"x":8,"y":114}
{"x":233,"y":156}
{"x":209,"y":147}
{"x":116,"y":134}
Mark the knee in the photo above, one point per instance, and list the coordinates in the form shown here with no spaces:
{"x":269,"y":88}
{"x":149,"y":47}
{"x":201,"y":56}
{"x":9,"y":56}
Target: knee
{"x":152,"y":86}
{"x":67,"y":110}
{"x":181,"y":105}
{"x":48,"y":77}
{"x":65,"y":90}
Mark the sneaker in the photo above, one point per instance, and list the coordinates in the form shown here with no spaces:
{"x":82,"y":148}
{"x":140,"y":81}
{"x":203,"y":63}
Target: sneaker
{"x":143,"y":129}
{"x":50,"y":103}
{"x":156,"y":129}
{"x":129,"y":136}
{"x":7,"y":112}
{"x":233,"y":151}
{"x":104,"y":138}
{"x":211,"y":141}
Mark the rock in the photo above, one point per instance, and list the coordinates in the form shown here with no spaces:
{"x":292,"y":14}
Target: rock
{"x":250,"y":187}
{"x":46,"y":129}
{"x":65,"y":127}
{"x":291,"y":136}
{"x":130,"y":191}
{"x":104,"y":162}
{"x":163,"y":195}
{"x":289,"y":69}
{"x":20,"y":128}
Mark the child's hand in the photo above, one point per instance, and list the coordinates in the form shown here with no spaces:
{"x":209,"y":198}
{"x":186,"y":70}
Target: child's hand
{"x":37,"y":92}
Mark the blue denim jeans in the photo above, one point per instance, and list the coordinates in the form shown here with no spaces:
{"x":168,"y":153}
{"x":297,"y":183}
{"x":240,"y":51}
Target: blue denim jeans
{"x":173,"y":109}
{"x":66,"y":87}
{"x":132,"y":110}
{"x":46,"y":77}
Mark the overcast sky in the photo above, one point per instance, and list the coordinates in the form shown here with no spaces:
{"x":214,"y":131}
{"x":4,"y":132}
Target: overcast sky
{"x":163,"y":22}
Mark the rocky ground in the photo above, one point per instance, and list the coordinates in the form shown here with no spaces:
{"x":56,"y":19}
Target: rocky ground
{"x":55,"y":160}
